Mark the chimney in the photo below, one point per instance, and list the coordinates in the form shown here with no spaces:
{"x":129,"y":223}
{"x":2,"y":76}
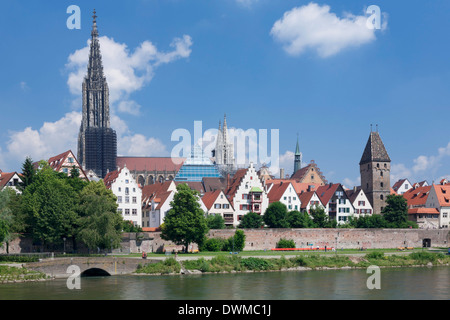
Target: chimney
{"x":281,"y":173}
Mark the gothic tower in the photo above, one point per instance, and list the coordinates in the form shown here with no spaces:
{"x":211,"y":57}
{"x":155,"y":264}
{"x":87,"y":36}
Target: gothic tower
{"x":224,"y":151}
{"x":97,"y":142}
{"x":375,"y":168}
{"x":297,"y":158}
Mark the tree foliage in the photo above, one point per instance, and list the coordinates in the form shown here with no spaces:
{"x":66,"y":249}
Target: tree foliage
{"x":276,"y":215}
{"x":251,"y":220}
{"x":185,"y":222}
{"x":299,"y":219}
{"x":215,"y":221}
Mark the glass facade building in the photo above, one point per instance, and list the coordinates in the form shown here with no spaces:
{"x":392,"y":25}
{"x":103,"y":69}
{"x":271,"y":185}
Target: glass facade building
{"x":196,"y":167}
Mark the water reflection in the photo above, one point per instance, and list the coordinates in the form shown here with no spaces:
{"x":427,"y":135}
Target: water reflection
{"x":396,"y":283}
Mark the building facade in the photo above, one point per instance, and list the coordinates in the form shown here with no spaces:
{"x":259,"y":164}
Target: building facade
{"x":128,"y":193}
{"x":216,"y":202}
{"x":97,"y":141}
{"x":223,"y":153}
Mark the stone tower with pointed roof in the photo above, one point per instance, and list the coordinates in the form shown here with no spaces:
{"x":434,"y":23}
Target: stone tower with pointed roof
{"x":97,"y":142}
{"x":375,"y":168}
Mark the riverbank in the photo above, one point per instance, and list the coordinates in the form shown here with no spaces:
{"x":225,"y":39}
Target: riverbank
{"x":235,"y":263}
{"x":15,"y":273}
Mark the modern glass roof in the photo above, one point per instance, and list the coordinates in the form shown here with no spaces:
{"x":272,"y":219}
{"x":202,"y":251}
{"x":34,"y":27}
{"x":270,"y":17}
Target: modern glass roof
{"x":197,"y":166}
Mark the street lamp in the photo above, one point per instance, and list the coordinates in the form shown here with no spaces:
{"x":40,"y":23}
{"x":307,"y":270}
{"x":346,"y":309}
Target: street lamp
{"x":64,"y":239}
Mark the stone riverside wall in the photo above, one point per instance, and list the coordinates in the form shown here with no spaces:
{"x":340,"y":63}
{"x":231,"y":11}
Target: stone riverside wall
{"x":266,"y":239}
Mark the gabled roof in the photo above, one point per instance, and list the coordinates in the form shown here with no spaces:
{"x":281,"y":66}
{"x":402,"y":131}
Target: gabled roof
{"x":326,"y":192}
{"x":210,"y":197}
{"x":194,"y":185}
{"x":443,"y":194}
{"x":298,"y":186}
{"x":300,"y":174}
{"x":305,"y":198}
{"x":235,"y":182}
{"x":111,"y":177}
{"x":5,"y":177}
{"x":352,"y":194}
{"x":57,"y":162}
{"x":399,"y":183}
{"x":375,"y":150}
{"x":277,"y":191}
{"x":214,"y":183}
{"x":417,"y":196}
{"x":423,"y":211}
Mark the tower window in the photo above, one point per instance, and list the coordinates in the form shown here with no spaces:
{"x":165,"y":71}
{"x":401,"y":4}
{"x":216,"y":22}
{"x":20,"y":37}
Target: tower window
{"x":378,"y":165}
{"x":381,"y":197}
{"x":382,"y":184}
{"x":381,"y":173}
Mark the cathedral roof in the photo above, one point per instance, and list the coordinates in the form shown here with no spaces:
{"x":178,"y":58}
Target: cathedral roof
{"x":375,"y":150}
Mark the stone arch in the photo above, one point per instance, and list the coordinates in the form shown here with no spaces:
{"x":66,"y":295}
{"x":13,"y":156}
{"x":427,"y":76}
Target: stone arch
{"x":150,"y":179}
{"x":141,"y":180}
{"x":170,"y":177}
{"x":161,"y":179}
{"x":95,"y":272}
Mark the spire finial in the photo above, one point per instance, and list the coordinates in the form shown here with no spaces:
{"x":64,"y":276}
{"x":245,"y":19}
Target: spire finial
{"x":94,"y":16}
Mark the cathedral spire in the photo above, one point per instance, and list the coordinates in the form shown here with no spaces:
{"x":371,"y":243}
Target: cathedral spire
{"x":297,"y":158}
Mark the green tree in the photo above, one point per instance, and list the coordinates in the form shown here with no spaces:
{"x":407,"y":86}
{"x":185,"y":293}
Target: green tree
{"x":370,"y":221}
{"x":185,"y":222}
{"x":49,"y":205}
{"x":100,"y":225}
{"x":321,"y":219}
{"x":299,"y":219}
{"x":236,"y":242}
{"x":215,"y":221}
{"x":396,"y":212}
{"x":276,"y":215}
{"x":28,"y":174}
{"x":251,"y":220}
{"x":6,"y":217}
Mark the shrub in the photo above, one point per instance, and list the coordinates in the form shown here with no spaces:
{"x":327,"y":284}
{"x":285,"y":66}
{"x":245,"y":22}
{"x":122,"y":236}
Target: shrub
{"x":375,"y":255}
{"x":213,"y":244}
{"x":285,"y":243}
{"x":256,"y":264}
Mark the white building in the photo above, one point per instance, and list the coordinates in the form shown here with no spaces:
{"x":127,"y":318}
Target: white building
{"x":401,"y":186}
{"x":337,"y":204}
{"x":285,"y":193}
{"x":360,"y":202}
{"x":247,"y":193}
{"x":309,"y":200}
{"x":439,"y":198}
{"x":10,"y":180}
{"x":216,"y":202}
{"x":156,"y":199}
{"x":128,"y":193}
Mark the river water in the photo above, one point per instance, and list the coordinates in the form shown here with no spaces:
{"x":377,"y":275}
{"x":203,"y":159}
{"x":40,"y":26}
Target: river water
{"x":395,"y":284}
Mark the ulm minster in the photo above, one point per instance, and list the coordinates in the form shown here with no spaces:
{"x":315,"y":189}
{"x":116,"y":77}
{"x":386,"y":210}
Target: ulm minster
{"x":145,"y":187}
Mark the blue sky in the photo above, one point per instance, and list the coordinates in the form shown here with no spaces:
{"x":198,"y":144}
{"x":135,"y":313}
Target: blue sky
{"x":266,"y":64}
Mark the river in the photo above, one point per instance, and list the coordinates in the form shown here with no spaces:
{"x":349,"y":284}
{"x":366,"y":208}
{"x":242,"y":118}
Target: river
{"x":395,"y":284}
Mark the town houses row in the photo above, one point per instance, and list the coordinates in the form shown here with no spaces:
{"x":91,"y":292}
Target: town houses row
{"x":248,"y":189}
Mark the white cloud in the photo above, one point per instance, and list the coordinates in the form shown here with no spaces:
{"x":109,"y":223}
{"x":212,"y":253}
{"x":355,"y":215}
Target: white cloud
{"x":425,"y":167}
{"x":49,"y":140}
{"x":126,"y":72}
{"x":314,"y":27}
{"x":350,"y":183}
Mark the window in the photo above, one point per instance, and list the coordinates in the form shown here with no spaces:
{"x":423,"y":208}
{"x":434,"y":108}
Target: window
{"x":134,"y":200}
{"x":127,"y":199}
{"x":134,"y":212}
{"x":119,"y":210}
{"x":127,"y":212}
{"x":361,"y":203}
{"x":381,"y":173}
{"x":119,"y":199}
{"x":226,"y":206}
{"x":381,"y":184}
{"x":71,"y":160}
{"x":217,"y":206}
{"x":127,"y":191}
{"x":381,"y":197}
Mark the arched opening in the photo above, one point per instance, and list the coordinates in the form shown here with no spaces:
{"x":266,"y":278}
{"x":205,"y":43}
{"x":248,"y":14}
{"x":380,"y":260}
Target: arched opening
{"x":95,"y":272}
{"x":426,"y":243}
{"x":141,"y":181}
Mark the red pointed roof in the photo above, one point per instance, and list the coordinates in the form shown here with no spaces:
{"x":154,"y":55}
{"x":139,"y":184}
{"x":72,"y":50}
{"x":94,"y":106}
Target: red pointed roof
{"x":277,"y":191}
{"x":150,"y":163}
{"x":417,"y":196}
{"x":210,"y":197}
{"x":326,"y":192}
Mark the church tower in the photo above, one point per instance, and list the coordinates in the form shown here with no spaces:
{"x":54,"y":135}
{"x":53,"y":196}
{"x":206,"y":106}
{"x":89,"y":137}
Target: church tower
{"x":297,"y":158}
{"x":224,"y":151}
{"x":97,"y":142}
{"x":375,"y":168}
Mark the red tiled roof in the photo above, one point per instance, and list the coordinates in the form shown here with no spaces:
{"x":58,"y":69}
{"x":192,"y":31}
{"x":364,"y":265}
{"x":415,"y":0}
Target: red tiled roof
{"x":194,"y":185}
{"x":352,"y":193}
{"x":298,"y":186}
{"x":110,"y":178}
{"x":235,"y":182}
{"x":210,"y":197}
{"x":398,"y":184}
{"x":423,"y":211}
{"x":326,"y":192}
{"x":305,"y":198}
{"x":417,"y":196}
{"x":5,"y":178}
{"x":443,"y":194}
{"x":277,"y":191}
{"x":150,"y":163}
